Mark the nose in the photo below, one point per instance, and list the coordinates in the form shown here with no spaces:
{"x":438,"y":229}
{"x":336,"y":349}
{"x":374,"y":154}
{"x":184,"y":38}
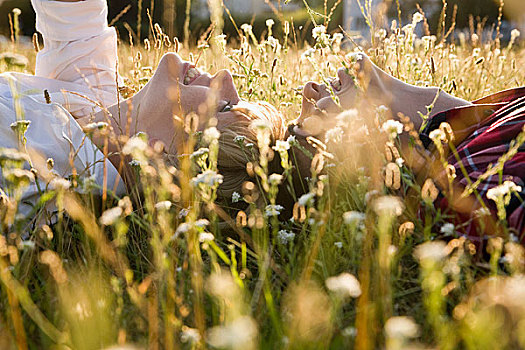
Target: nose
{"x":314,"y":91}
{"x":222,"y":82}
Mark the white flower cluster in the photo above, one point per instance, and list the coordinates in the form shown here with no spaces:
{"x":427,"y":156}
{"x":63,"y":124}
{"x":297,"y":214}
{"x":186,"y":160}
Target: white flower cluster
{"x":281,"y":146}
{"x":208,"y":178}
{"x":211,"y":134}
{"x":353,"y":217}
{"x":506,"y":188}
{"x":344,"y":285}
{"x":392,"y":128}
{"x":401,"y":327}
{"x":273,"y":210}
{"x":285,"y":236}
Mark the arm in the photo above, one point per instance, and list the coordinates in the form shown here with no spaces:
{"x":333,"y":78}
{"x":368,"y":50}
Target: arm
{"x":79,"y":47}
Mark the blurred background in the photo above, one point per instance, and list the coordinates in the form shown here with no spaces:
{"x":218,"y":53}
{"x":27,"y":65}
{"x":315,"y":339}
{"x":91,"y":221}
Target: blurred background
{"x":171,"y":14}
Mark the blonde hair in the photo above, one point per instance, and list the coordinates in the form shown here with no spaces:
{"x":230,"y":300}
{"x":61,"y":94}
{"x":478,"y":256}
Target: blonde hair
{"x":232,"y":158}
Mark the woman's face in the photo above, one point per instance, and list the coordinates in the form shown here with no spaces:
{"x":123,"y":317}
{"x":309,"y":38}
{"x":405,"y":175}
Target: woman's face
{"x":319,"y":107}
{"x":193,"y":91}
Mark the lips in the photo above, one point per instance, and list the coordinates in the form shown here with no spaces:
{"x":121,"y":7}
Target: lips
{"x":192,"y":73}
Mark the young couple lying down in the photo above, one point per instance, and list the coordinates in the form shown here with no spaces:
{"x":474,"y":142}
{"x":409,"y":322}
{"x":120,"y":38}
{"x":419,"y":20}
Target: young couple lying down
{"x":78,"y":67}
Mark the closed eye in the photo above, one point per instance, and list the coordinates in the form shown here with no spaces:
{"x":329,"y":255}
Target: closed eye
{"x":225,"y":106}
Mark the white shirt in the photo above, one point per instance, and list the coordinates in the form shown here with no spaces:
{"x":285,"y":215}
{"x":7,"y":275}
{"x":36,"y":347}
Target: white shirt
{"x":79,"y":55}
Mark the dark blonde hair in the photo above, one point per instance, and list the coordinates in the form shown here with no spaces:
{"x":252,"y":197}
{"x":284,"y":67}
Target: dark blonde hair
{"x":232,"y":158}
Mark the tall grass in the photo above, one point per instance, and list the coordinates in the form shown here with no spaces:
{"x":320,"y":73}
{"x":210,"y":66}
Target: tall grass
{"x":169,"y":267}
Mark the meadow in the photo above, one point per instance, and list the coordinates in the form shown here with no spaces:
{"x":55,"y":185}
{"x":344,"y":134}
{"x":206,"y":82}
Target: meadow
{"x":364,"y":262}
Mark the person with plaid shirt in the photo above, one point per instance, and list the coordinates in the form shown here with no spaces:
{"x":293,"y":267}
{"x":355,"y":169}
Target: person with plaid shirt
{"x":484,"y":152}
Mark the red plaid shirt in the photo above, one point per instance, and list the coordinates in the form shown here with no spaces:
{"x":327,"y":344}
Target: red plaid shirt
{"x":483,"y":133}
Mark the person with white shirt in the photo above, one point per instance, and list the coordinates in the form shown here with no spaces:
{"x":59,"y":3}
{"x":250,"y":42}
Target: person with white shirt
{"x":77,"y":69}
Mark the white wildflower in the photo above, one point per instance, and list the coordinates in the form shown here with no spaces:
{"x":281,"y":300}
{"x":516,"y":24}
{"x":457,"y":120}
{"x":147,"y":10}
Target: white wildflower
{"x":97,"y":126}
{"x":183,"y":213}
{"x":273,"y":209}
{"x":135,"y":146}
{"x":438,"y":136}
{"x":239,"y":334}
{"x":205,"y":237}
{"x":447,"y":229}
{"x":353,"y":217}
{"x":164,"y":205}
{"x":247,"y":28}
{"x":211,"y":134}
{"x":392,"y":128}
{"x":306,"y":199}
{"x":417,"y":17}
{"x":334,"y":135}
{"x":318,"y":31}
{"x":134,"y":163}
{"x":208,"y":178}
{"x":201,"y":152}
{"x":270,"y":22}
{"x":401,"y":327}
{"x":388,"y":205}
{"x":110,"y":216}
{"x":182,"y":229}
{"x":273,"y":42}
{"x":502,"y":190}
{"x":291,"y":140}
{"x":220,"y":40}
{"x":190,"y":335}
{"x":239,"y":139}
{"x":60,"y":184}
{"x":236,"y":197}
{"x":338,"y":244}
{"x":345,"y":285}
{"x":432,"y":251}
{"x":275,"y":179}
{"x":285,"y":236}
{"x":281,"y":146}
{"x":202,"y":223}
{"x":347,"y":117}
